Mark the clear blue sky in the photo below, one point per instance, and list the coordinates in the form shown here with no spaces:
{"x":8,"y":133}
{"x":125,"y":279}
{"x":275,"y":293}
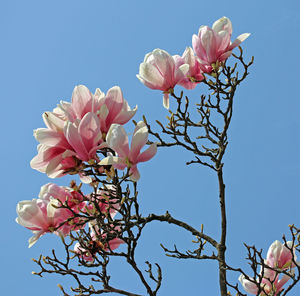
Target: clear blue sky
{"x":48,"y":47}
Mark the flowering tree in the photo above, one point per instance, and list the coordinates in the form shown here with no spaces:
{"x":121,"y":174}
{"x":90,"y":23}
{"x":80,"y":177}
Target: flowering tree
{"x":86,"y":137}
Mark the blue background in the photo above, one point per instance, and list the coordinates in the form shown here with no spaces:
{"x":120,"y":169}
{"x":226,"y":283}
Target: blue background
{"x":48,"y":47}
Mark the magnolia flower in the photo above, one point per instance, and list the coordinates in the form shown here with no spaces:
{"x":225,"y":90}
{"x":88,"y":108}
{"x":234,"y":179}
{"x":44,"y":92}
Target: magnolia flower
{"x":117,"y":140}
{"x":75,"y":131}
{"x":106,"y":200}
{"x":213,"y":45}
{"x":271,"y":285}
{"x":84,"y":138}
{"x":44,"y":214}
{"x":67,"y":195}
{"x":194,"y":75}
{"x":54,"y":161}
{"x":112,"y":108}
{"x":96,"y":245}
{"x":158,"y":71}
{"x":100,"y":241}
{"x":279,"y":257}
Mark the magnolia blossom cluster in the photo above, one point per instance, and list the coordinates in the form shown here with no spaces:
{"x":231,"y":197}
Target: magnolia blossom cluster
{"x":211,"y":47}
{"x":280,"y":258}
{"x":75,"y":131}
{"x":99,"y":239}
{"x":87,"y":132}
{"x":46,"y":213}
{"x":56,"y":208}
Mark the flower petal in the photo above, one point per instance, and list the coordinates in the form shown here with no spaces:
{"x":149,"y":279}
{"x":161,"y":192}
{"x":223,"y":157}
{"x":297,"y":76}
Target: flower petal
{"x":148,"y":153}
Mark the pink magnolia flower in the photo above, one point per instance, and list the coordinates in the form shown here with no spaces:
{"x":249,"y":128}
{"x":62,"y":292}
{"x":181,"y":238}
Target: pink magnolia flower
{"x":75,"y":131}
{"x":112,"y":108}
{"x":43,"y":215}
{"x":117,"y":140}
{"x":194,"y":75}
{"x":281,"y":257}
{"x":65,"y":195}
{"x":106,"y":200}
{"x":54,"y":161}
{"x":88,"y":253}
{"x":100,"y":241}
{"x":84,"y":252}
{"x":158,"y":71}
{"x":271,"y":284}
{"x":213,"y":45}
{"x":85,"y":138}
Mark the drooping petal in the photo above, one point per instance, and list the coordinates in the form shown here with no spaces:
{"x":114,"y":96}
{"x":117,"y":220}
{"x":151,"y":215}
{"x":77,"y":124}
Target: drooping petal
{"x":34,"y":239}
{"x":134,"y":173}
{"x":44,"y":157}
{"x":51,"y":138}
{"x":126,"y":114}
{"x":166,"y":103}
{"x":239,"y":40}
{"x":224,"y":56}
{"x":148,"y":153}
{"x":54,"y":168}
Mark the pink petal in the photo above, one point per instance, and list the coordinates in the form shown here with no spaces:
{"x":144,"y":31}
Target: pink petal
{"x":73,"y":137}
{"x":117,"y":140}
{"x":139,"y":140}
{"x":247,"y":285}
{"x":54,"y":169}
{"x":181,"y":72}
{"x":150,"y":76}
{"x":44,"y":156}
{"x":53,"y":121}
{"x":134,"y":173}
{"x":223,"y":42}
{"x":224,"y":56}
{"x":51,"y":138}
{"x":208,"y":41}
{"x":82,"y":100}
{"x":222,"y":24}
{"x":114,"y":244}
{"x":166,"y":103}
{"x":114,"y":102}
{"x":89,"y":131}
{"x":165,"y":64}
{"x":239,"y":40}
{"x":126,"y":114}
{"x":148,"y":153}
